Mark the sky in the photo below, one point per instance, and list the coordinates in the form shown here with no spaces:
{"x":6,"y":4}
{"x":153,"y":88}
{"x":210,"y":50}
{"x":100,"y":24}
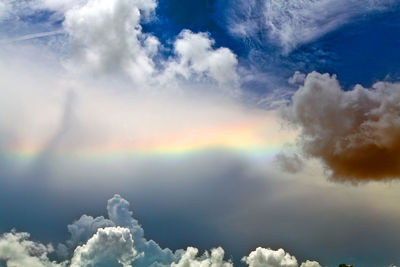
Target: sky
{"x":204,"y":133}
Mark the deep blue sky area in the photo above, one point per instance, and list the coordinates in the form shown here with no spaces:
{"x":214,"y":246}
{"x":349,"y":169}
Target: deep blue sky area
{"x":173,"y":16}
{"x":365,"y":51}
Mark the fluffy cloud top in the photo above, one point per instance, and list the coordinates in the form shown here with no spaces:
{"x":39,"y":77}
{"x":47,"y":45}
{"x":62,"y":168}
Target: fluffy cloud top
{"x":196,"y":56}
{"x":81,"y":230}
{"x":355,"y":133}
{"x":263,"y":257}
{"x":107,"y":36}
{"x":16,"y":250}
{"x":87,"y":228}
{"x":119,"y":213}
{"x":189,"y":259}
{"x":310,"y":264}
{"x":119,"y":241}
{"x":108,"y":247}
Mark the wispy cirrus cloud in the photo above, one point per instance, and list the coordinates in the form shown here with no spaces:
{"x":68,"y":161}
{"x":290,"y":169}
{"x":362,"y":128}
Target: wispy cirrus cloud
{"x":289,"y":24}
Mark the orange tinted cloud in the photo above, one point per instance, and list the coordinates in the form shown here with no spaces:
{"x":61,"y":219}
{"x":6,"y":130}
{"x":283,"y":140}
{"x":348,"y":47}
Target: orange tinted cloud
{"x":355,"y":133}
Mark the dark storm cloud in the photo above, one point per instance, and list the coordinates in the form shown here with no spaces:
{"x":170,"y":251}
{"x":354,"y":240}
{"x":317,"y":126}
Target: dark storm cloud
{"x":355,"y":133}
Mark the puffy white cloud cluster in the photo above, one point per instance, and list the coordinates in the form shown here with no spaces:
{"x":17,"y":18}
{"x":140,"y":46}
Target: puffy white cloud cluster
{"x":110,"y":246}
{"x":195,"y":55}
{"x":190,"y":259}
{"x":263,"y":257}
{"x":123,"y":229}
{"x":16,"y":250}
{"x":119,"y":241}
{"x":355,"y":133}
{"x":310,"y":264}
{"x":119,"y":213}
{"x":94,"y":242}
{"x":82,"y":229}
{"x":107,"y":37}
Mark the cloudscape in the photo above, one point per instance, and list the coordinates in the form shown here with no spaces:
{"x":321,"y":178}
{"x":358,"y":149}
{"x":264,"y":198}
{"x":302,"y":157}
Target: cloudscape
{"x":207,"y":133}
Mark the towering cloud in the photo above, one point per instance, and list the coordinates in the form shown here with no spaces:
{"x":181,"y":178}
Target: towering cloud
{"x":355,"y":133}
{"x":119,"y":213}
{"x":118,"y":241}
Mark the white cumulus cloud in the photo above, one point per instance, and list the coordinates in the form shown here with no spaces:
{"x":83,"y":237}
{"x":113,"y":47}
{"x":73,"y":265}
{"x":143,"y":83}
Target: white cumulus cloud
{"x":196,"y":56}
{"x":119,"y":241}
{"x":190,"y":259}
{"x":108,"y":247}
{"x":310,"y":264}
{"x":107,"y":36}
{"x":264,"y":257}
{"x":16,"y":250}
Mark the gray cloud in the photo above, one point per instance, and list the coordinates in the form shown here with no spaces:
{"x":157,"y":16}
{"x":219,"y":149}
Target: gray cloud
{"x":355,"y":133}
{"x":297,"y":78}
{"x":291,"y":163}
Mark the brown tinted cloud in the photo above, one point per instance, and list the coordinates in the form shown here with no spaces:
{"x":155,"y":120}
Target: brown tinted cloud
{"x":355,"y":133}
